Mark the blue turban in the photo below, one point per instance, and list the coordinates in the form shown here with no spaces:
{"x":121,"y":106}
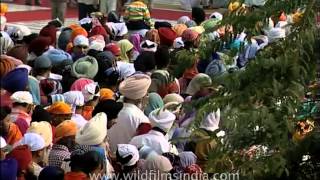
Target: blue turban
{"x":8,"y":169}
{"x":15,"y":80}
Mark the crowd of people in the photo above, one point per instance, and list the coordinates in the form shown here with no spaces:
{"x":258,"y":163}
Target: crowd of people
{"x":100,"y":97}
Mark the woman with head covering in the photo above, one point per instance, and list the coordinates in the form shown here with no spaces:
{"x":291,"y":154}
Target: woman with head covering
{"x":199,"y":82}
{"x":126,"y":48}
{"x":163,"y":82}
{"x":135,"y":39}
{"x":155,"y":102}
{"x":159,"y":164}
{"x":162,"y":121}
{"x":8,"y":130}
{"x":64,"y":139}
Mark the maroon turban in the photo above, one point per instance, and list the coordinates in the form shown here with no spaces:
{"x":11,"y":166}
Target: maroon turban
{"x":167,"y":36}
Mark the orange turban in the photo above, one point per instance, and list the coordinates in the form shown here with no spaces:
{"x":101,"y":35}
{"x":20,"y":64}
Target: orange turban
{"x":78,"y":31}
{"x":106,"y":94}
{"x":74,"y":26}
{"x":179,"y":29}
{"x":60,"y":108}
{"x":64,"y":129}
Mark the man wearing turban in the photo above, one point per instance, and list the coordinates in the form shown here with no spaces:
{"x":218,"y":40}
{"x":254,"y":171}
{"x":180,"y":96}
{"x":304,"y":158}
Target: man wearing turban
{"x":135,"y":90}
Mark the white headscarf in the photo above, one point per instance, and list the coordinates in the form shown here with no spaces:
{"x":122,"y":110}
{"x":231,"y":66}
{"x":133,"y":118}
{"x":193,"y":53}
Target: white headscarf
{"x":125,"y":150}
{"x":162,"y":119}
{"x":211,"y":122}
{"x":74,"y":98}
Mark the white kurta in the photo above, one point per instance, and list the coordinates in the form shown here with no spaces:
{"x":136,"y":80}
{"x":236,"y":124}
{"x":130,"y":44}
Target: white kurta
{"x":129,"y":118}
{"x":154,"y":139}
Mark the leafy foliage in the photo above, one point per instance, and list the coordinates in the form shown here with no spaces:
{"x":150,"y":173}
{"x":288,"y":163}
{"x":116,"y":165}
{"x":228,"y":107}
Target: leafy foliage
{"x":259,"y":104}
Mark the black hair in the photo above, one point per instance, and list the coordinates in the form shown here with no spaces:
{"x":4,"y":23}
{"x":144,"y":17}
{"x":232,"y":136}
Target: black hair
{"x":110,"y":107}
{"x":91,"y":161}
{"x":87,"y":26}
{"x":198,"y":15}
{"x":4,"y":112}
{"x":20,"y":104}
{"x":51,"y":173}
{"x":145,"y":62}
{"x":162,"y":57}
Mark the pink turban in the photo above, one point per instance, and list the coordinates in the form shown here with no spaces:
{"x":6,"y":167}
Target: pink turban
{"x":135,"y":87}
{"x":79,"y":84}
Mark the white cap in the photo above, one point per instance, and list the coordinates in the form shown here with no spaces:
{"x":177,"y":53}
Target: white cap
{"x":22,"y":97}
{"x":81,"y":40}
{"x":33,"y":140}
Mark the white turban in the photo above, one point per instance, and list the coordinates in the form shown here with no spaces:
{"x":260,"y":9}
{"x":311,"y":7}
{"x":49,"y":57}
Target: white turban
{"x":162,"y":119}
{"x":125,"y":150}
{"x":135,"y":87}
{"x":211,"y":122}
{"x":81,"y":40}
{"x":94,"y":132}
{"x":74,"y":98}
{"x":33,"y":140}
{"x":22,"y":97}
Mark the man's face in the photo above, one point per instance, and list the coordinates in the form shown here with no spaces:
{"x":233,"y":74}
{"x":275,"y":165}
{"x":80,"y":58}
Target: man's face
{"x":80,"y":50}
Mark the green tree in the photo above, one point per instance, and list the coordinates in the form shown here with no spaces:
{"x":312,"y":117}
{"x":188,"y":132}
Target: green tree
{"x":259,"y":104}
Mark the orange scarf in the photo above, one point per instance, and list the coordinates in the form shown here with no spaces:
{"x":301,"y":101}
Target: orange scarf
{"x":87,"y":112}
{"x":14,"y":134}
